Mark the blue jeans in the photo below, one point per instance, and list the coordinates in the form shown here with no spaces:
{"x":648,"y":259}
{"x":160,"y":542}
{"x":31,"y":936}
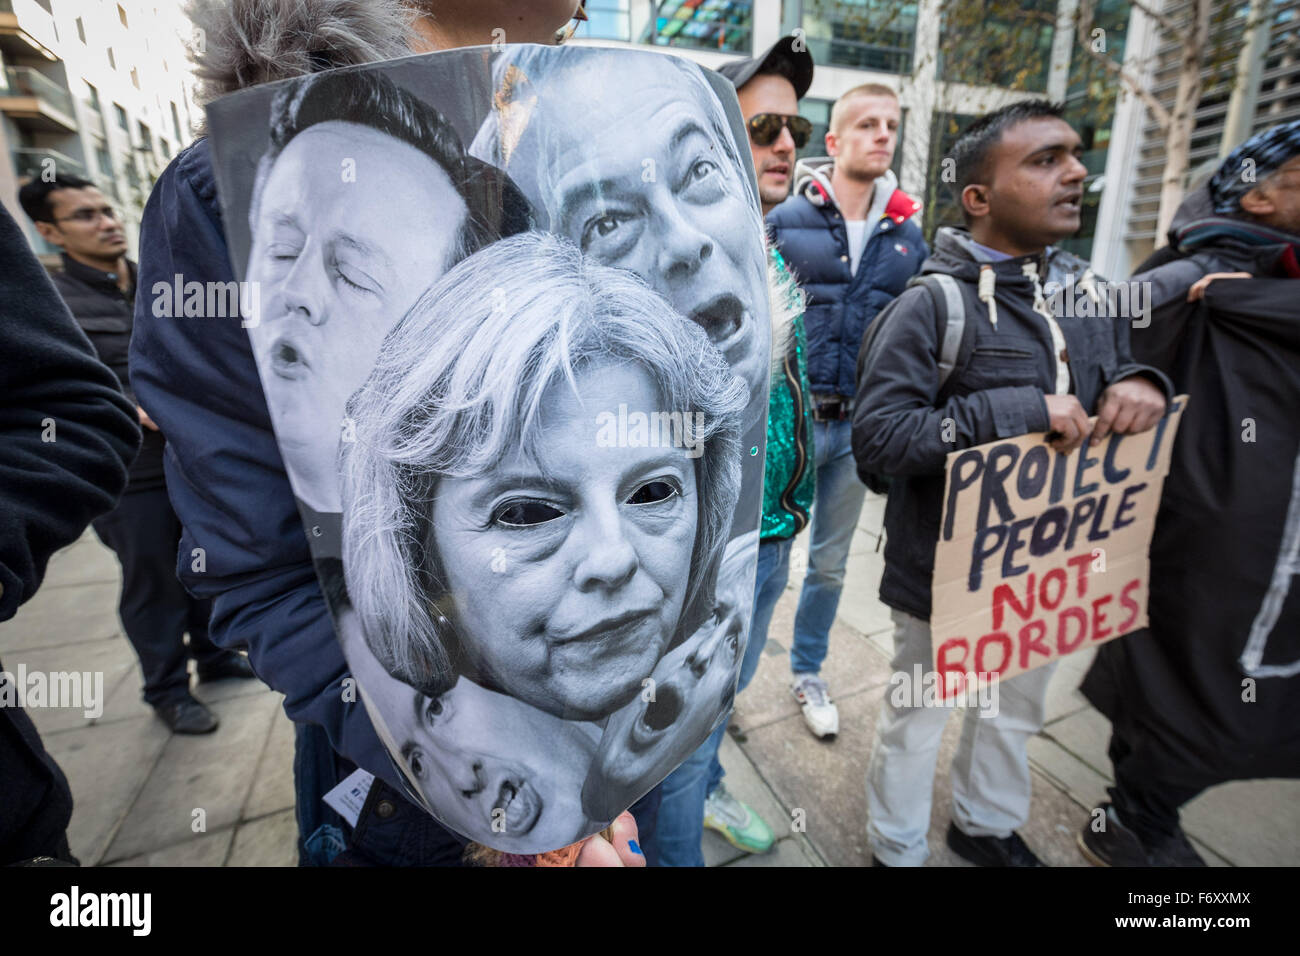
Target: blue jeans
{"x":837,"y":502}
{"x":681,"y":814}
{"x":320,"y":829}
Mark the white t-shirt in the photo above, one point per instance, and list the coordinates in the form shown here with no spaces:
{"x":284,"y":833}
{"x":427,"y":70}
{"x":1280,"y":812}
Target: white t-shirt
{"x":857,"y":242}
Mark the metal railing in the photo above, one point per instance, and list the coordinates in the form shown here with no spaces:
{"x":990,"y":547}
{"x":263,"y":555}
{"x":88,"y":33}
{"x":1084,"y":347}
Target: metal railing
{"x":29,"y":162}
{"x":26,"y":81}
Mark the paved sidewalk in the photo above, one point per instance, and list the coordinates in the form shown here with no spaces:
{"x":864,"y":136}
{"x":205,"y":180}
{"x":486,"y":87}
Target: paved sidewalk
{"x":146,"y":797}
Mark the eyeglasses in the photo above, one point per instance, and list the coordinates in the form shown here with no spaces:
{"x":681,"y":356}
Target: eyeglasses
{"x":90,"y":215}
{"x":764,"y":128}
{"x":566,"y":33}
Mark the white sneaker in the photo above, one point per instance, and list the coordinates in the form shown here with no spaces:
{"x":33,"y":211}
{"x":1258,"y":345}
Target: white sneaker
{"x":819,"y":711}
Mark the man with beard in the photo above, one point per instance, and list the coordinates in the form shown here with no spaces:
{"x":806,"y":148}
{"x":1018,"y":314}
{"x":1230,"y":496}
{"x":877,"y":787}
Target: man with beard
{"x":848,"y":235}
{"x":1209,"y":692}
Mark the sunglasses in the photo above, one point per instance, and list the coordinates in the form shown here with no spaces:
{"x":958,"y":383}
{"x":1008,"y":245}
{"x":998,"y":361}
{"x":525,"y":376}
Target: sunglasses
{"x":764,"y":128}
{"x":566,"y":33}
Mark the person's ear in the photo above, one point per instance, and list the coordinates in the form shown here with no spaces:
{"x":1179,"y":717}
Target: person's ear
{"x":975,"y":200}
{"x":51,"y":233}
{"x":832,"y":144}
{"x":1257,"y":203}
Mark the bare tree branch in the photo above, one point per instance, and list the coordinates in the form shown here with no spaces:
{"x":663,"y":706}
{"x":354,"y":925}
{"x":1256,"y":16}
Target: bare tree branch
{"x":1135,"y":86}
{"x":1165,"y":21}
{"x":1159,"y":112}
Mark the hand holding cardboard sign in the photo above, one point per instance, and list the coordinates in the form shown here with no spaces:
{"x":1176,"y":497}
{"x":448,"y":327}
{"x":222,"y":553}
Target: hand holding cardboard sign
{"x":1070,"y":424}
{"x":1129,"y":407}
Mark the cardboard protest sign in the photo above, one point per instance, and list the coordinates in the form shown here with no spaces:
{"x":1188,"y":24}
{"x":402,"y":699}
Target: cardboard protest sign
{"x":509,"y":307}
{"x":1042,"y":554}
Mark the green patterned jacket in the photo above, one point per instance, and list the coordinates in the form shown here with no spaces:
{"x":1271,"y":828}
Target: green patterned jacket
{"x":788,"y":470}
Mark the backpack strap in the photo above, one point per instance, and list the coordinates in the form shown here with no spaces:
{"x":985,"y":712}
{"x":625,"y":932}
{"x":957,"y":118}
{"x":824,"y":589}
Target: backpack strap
{"x":957,"y":338}
{"x":953,"y":313}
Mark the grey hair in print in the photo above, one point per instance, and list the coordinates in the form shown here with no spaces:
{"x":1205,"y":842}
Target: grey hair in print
{"x":459,"y":384}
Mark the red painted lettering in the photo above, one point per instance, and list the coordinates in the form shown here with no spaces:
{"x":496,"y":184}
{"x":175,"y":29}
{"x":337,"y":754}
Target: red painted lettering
{"x":1004,"y":593}
{"x":1032,"y":638}
{"x":1129,"y":605}
{"x":1099,"y":618}
{"x":1080,"y":563}
{"x":981,"y":666}
{"x":945,"y":664}
{"x":1051,"y":604}
{"x":1064,"y":644}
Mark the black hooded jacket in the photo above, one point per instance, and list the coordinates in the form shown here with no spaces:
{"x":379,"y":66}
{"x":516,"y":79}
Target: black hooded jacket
{"x":1210,"y":692}
{"x":902,"y":429}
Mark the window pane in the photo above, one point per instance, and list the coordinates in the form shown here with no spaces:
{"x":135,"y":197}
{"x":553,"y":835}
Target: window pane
{"x":1090,"y":109}
{"x":868,"y":34}
{"x":606,"y":20}
{"x":704,"y":24}
{"x":997,"y":42}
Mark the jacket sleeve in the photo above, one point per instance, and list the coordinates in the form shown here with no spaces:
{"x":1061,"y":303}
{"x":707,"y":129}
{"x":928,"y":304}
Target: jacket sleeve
{"x":1157,"y":337}
{"x":243,"y":543}
{"x":67,"y":432}
{"x":1162,"y":330}
{"x":897,"y":430}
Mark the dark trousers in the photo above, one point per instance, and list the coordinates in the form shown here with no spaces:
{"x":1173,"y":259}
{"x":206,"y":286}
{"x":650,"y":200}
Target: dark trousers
{"x":1146,"y":804}
{"x":155,"y":609}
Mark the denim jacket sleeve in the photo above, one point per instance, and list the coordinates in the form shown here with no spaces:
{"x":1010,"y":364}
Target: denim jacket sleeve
{"x":897,"y":428}
{"x":243,"y":543}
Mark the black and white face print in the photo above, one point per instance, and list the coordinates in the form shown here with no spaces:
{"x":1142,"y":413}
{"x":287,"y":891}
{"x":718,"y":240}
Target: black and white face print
{"x":517,"y":335}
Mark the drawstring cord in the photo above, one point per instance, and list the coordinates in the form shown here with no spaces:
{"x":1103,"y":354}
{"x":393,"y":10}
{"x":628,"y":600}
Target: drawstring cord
{"x":1089,"y":285}
{"x":1030,"y":269}
{"x":988,"y":279}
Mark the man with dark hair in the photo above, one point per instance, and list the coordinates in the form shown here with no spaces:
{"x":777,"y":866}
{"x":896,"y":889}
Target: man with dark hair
{"x":378,"y":183}
{"x":849,"y":236}
{"x":1021,"y":368}
{"x":98,"y":285}
{"x":1209,"y":692}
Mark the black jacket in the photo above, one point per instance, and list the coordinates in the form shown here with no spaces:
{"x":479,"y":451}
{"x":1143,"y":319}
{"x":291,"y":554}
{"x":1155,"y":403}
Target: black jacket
{"x":51,"y":387}
{"x":900,"y":427}
{"x":106,"y":315}
{"x":1176,"y":692}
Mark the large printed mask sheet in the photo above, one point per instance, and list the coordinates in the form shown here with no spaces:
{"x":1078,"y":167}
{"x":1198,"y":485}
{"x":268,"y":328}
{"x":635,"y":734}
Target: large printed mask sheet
{"x":509,"y":308}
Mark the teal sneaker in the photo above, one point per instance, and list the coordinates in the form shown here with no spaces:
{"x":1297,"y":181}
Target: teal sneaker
{"x":742,"y":827}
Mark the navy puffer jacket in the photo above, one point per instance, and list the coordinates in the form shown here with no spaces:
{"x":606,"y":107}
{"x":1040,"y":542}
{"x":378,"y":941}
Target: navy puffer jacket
{"x":809,"y":231}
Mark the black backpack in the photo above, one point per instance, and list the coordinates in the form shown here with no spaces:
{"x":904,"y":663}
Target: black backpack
{"x":955,"y":348}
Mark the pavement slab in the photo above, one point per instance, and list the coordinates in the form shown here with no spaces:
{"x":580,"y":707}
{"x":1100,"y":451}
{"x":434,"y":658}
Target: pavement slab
{"x":212,"y":773}
{"x":106,"y":766}
{"x":205,"y":849}
{"x":268,"y":841}
{"x":273,"y":784}
{"x":113,"y":658}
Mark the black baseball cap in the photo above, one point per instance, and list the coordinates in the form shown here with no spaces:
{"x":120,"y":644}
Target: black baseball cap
{"x":791,"y":49}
